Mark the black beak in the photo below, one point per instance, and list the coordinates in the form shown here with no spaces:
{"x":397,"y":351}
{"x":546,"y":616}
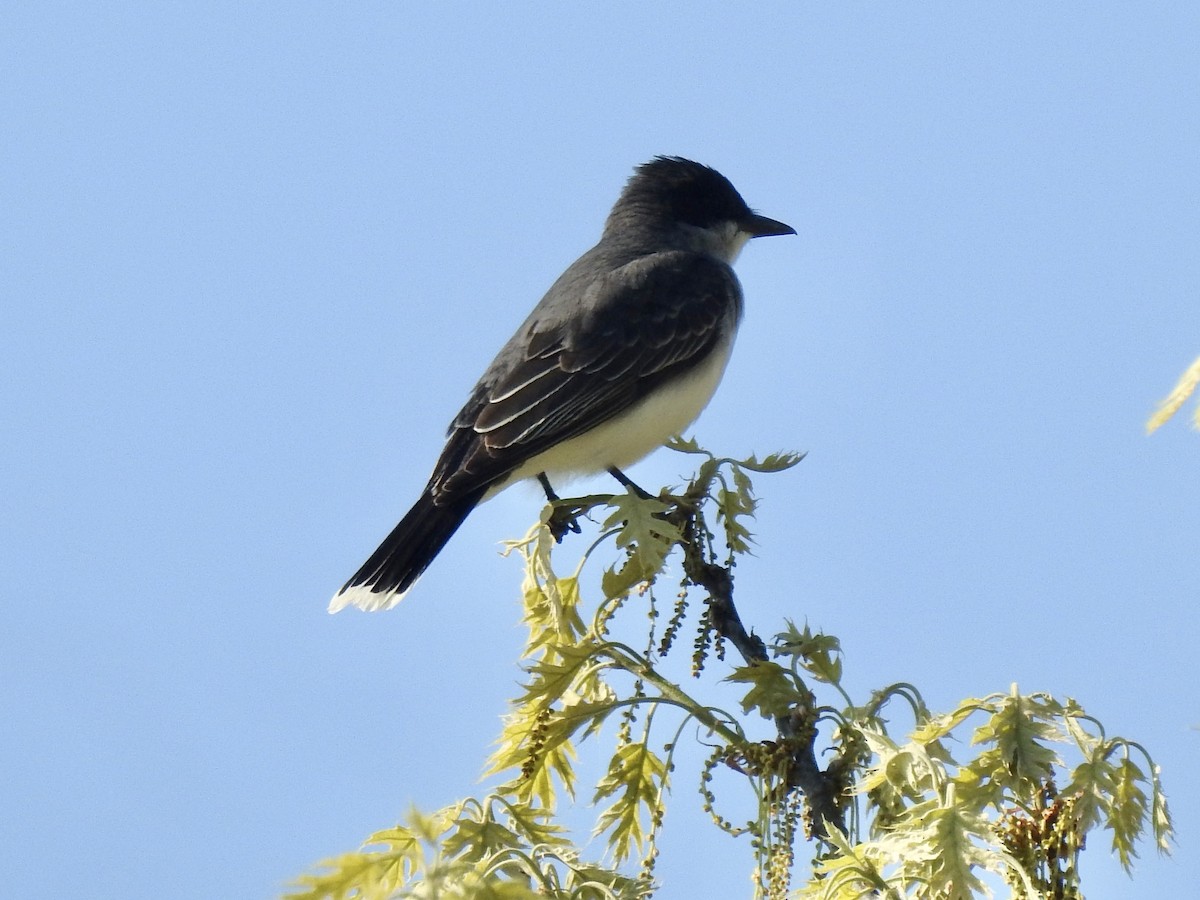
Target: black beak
{"x":761,"y":226}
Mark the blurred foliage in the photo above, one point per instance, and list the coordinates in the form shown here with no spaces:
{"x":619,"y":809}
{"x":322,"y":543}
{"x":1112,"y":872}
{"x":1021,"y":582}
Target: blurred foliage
{"x":1183,"y":389}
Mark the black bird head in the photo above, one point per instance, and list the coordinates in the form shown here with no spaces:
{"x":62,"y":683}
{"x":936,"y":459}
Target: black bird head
{"x":669,"y":191}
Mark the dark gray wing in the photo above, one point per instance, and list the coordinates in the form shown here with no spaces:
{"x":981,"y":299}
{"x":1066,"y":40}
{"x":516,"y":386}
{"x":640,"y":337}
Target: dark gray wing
{"x":639,"y":326}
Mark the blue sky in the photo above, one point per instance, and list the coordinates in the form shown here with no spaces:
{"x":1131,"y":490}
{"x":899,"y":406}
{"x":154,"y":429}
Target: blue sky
{"x":252,"y":257}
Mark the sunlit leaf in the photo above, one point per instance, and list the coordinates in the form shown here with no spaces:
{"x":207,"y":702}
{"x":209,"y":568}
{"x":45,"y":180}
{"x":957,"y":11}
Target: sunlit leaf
{"x":819,"y":654}
{"x":773,"y":691}
{"x":772,"y":462}
{"x":636,"y":777}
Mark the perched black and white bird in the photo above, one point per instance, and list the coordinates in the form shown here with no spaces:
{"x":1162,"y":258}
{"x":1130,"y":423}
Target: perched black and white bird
{"x":623,"y":352}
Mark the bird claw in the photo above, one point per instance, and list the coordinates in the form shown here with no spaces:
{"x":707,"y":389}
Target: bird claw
{"x":563,"y":520}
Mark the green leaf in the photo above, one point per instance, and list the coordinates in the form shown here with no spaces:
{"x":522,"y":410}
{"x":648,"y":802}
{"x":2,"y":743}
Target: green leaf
{"x":937,"y":727}
{"x":639,"y":519}
{"x":774,"y":691}
{"x":618,"y":582}
{"x":636,"y":777}
{"x":1019,"y":759}
{"x":1160,"y":815}
{"x":556,"y":674}
{"x":773,"y":462}
{"x":952,"y":854}
{"x":1092,"y":781}
{"x":1127,"y":812}
{"x":552,"y":613}
{"x":352,"y":876}
{"x":681,"y":444}
{"x":901,"y":772}
{"x":645,"y":534}
{"x":389,"y":859}
{"x":818,"y":654}
{"x":593,"y":882}
{"x":732,"y":507}
{"x":853,"y":872}
{"x":536,"y":739}
{"x":476,"y":840}
{"x":535,"y":825}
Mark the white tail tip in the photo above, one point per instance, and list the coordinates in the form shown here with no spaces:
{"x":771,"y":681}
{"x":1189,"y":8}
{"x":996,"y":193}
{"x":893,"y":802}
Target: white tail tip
{"x":364,"y":598}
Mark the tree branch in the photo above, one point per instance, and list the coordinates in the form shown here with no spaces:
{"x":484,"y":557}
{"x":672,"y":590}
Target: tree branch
{"x":821,"y":788}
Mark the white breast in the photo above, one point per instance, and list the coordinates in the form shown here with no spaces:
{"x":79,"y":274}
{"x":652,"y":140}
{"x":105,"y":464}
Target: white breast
{"x":626,"y":438}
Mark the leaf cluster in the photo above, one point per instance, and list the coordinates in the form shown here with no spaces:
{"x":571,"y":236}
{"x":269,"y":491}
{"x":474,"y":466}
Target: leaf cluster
{"x":934,"y":824}
{"x":891,"y":815}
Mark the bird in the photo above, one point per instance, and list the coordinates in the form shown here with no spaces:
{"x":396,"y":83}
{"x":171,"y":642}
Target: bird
{"x":623,"y":352}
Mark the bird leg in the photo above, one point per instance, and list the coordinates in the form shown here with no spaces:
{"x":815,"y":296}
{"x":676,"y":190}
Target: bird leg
{"x":550,"y":495}
{"x":625,"y":480}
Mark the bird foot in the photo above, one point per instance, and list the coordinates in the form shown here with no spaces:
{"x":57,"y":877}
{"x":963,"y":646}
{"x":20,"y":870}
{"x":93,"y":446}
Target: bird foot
{"x":563,"y":519}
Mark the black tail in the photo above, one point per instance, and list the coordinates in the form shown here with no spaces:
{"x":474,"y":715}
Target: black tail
{"x":394,"y":568}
